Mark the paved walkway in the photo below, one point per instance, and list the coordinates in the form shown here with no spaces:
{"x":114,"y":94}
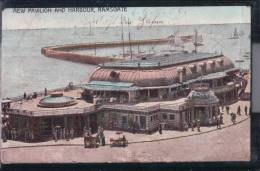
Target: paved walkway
{"x":139,"y":138}
{"x":229,"y":144}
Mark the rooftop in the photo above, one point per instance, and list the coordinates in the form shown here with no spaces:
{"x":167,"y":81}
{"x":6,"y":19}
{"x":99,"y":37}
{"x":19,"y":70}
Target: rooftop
{"x":32,"y":105}
{"x":160,"y":60}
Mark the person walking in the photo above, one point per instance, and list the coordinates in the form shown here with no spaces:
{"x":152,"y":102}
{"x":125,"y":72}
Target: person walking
{"x":227,"y":109}
{"x":45,"y":92}
{"x":160,"y":128}
{"x":246,"y":110}
{"x":55,"y":134}
{"x":71,"y":133}
{"x":239,"y":110}
{"x":192,"y":125}
{"x":221,"y":118}
{"x":218,"y":122}
{"x":233,"y":118}
{"x":198,"y":125}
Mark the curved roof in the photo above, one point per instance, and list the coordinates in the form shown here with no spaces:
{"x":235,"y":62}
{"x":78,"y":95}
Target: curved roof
{"x":54,"y":101}
{"x":161,"y":75}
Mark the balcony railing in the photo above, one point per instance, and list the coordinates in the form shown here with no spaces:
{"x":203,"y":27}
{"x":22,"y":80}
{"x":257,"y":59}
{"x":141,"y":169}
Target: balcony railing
{"x":133,"y":108}
{"x":51,"y":112}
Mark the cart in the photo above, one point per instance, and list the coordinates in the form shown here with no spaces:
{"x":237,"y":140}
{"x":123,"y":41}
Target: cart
{"x":90,"y":142}
{"x":120,"y":141}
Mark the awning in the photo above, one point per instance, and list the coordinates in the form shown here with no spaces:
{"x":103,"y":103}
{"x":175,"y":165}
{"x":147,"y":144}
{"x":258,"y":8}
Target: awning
{"x":210,"y":62}
{"x":6,"y":101}
{"x":179,"y":69}
{"x":201,"y":64}
{"x":191,"y":66}
{"x":232,"y":70}
{"x":214,"y":76}
{"x":109,"y":86}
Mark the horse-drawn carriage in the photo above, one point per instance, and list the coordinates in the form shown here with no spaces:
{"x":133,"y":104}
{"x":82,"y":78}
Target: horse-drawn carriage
{"x":120,"y":141}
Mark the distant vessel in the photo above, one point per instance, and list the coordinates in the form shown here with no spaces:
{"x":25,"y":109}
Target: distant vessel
{"x":235,"y":35}
{"x":75,"y":30}
{"x":246,"y":55}
{"x":90,"y":33}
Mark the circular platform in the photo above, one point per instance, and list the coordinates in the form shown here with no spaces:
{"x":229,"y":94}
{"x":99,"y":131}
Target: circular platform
{"x":56,"y":100}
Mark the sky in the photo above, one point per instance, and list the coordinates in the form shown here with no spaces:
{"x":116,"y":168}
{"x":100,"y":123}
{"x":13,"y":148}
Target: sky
{"x":145,"y":16}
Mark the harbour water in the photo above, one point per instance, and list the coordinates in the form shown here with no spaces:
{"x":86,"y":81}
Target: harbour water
{"x":25,"y":69}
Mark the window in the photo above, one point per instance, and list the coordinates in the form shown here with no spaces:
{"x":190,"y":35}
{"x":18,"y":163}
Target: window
{"x":164,"y":116}
{"x":151,"y":118}
{"x":142,"y":122}
{"x":124,"y":118}
{"x":172,"y":117}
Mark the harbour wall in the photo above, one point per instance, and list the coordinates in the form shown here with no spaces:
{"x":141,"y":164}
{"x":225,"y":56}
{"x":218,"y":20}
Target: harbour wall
{"x":64,"y":51}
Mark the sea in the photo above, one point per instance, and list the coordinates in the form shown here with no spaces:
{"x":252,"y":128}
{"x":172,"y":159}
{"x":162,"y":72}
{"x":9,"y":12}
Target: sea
{"x":25,"y":69}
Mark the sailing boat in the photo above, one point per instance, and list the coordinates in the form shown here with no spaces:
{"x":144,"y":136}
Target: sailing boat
{"x":235,"y":35}
{"x":75,"y":30}
{"x":178,"y":44}
{"x":90,"y":33}
{"x":198,"y":41}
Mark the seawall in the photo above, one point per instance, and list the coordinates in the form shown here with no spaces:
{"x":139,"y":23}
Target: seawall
{"x":64,"y":51}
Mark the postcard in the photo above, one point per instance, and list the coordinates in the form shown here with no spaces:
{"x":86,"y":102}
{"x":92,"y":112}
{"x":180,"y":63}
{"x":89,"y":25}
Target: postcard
{"x":125,"y":84}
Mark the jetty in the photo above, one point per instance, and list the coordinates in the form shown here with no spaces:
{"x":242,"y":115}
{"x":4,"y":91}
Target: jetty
{"x":65,"y":52}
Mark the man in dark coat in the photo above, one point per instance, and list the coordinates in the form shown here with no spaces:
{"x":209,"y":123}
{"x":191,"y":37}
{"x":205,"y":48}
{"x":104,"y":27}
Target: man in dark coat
{"x":239,"y":110}
{"x":246,"y":110}
{"x":227,"y":109}
{"x":160,"y":128}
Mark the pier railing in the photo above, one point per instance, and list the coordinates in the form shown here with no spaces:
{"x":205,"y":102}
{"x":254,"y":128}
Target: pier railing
{"x":39,"y":93}
{"x":53,"y":112}
{"x":133,"y":108}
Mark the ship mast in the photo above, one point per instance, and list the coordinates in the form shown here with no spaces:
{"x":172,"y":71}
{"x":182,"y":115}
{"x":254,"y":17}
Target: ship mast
{"x":122,"y":35}
{"x":129,"y":37}
{"x":89,"y":28}
{"x":196,"y":41}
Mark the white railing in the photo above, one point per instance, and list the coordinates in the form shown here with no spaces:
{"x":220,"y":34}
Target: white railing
{"x":39,"y":93}
{"x":52,"y":112}
{"x":133,"y":108}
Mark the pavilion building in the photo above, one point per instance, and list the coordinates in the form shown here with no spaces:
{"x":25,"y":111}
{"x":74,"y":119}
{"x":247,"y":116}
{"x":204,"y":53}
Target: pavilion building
{"x":163,"y":77}
{"x":133,"y":95}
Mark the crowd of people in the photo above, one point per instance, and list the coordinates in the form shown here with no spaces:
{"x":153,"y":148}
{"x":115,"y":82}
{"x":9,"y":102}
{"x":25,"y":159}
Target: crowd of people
{"x":217,"y":120}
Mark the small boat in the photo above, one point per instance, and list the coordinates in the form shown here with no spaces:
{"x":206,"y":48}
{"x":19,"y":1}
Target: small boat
{"x":235,"y":34}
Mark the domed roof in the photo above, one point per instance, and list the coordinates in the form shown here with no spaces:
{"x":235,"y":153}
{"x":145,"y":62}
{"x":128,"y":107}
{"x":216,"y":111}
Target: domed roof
{"x":202,"y":97}
{"x":56,"y":100}
{"x":158,"y":75}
